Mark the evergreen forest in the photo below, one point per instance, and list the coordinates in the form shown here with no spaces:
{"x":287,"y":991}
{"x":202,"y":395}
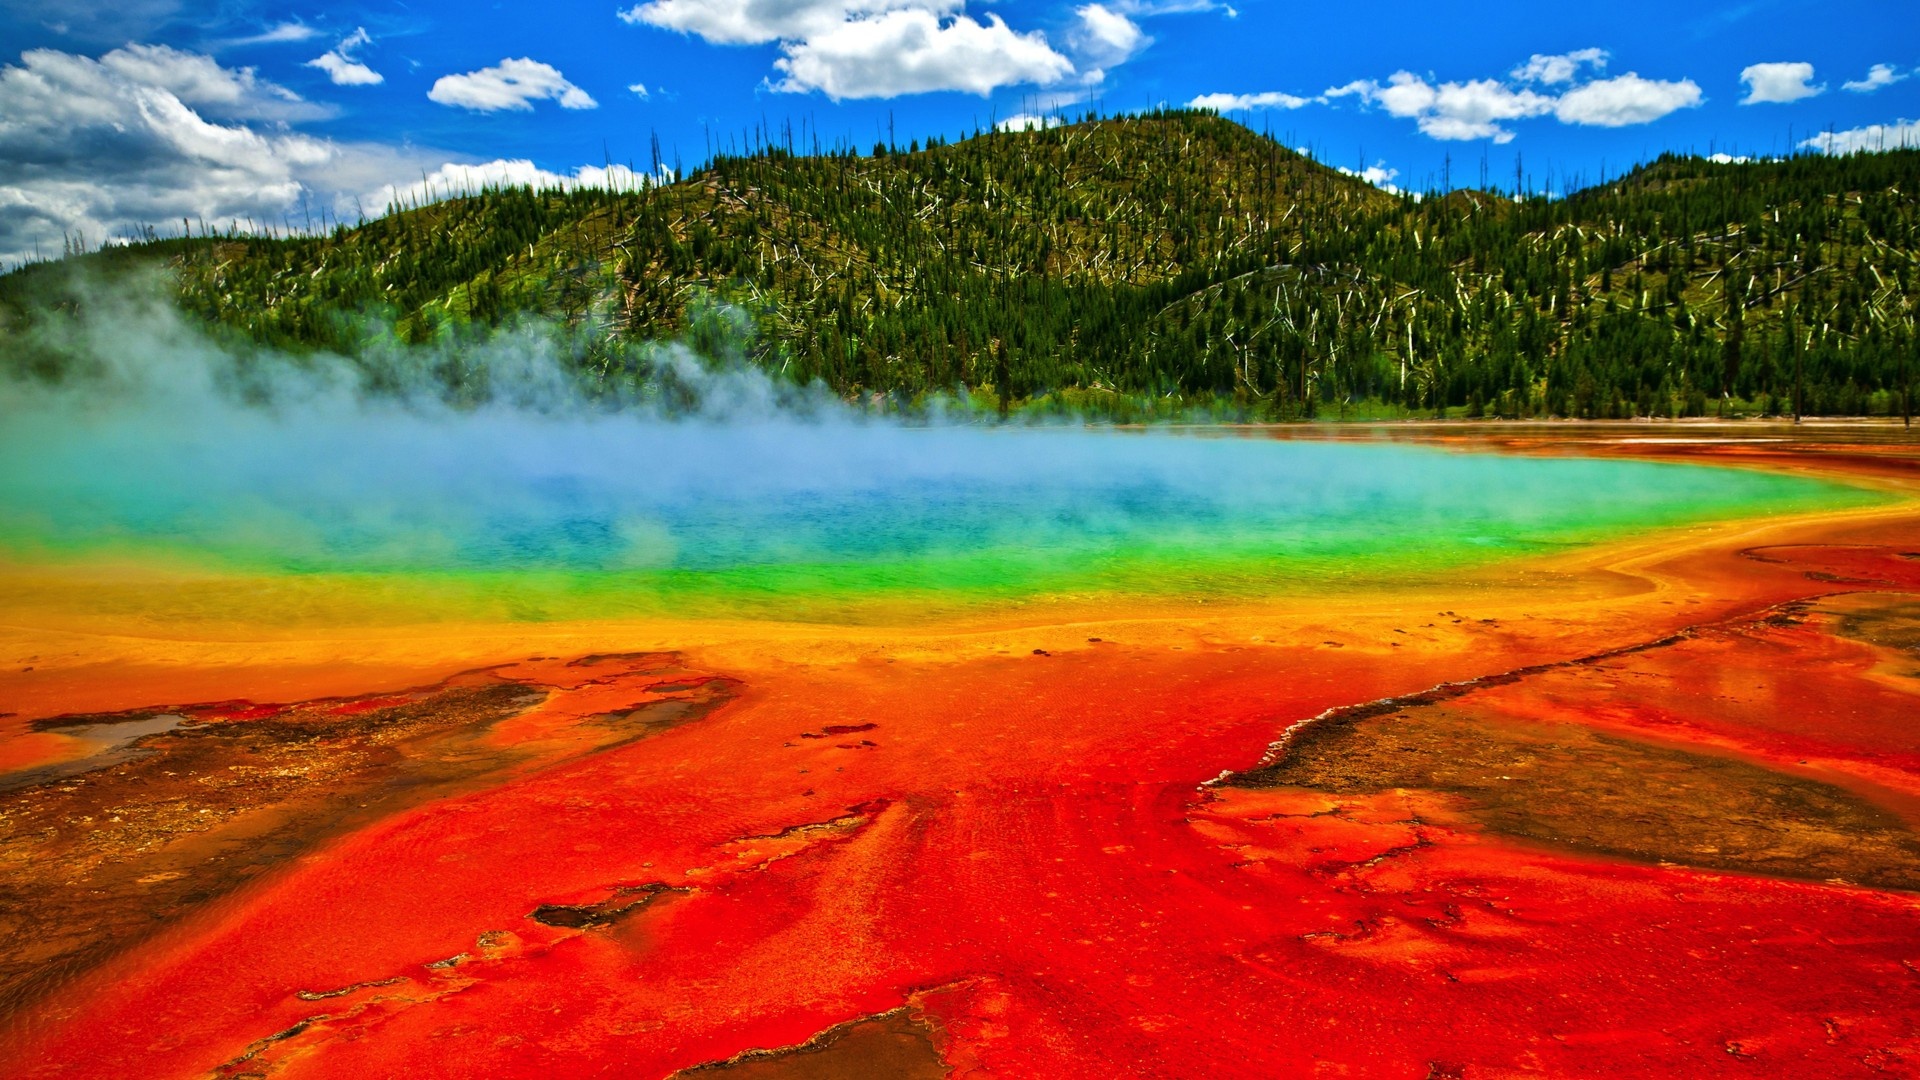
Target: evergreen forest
{"x":1140,"y":266}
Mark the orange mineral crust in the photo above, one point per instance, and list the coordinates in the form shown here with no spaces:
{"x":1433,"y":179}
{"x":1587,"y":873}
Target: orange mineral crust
{"x":1640,"y":809}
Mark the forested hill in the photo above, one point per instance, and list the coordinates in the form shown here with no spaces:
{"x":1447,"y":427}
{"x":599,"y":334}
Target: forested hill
{"x":1163,"y":261}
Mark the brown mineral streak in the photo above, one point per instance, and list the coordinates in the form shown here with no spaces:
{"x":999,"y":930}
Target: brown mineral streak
{"x":1606,"y":738}
{"x":893,"y":1045}
{"x":133,"y":839}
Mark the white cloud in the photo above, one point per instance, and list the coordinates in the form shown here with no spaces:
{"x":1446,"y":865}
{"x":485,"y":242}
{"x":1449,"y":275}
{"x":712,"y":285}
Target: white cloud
{"x":1477,"y":109}
{"x":1485,"y":108}
{"x":1560,"y":68}
{"x":510,"y":84}
{"x":1028,"y":122}
{"x":1877,"y":76}
{"x":1625,"y":100}
{"x":146,"y":135}
{"x":1869,"y":139}
{"x":340,"y":65}
{"x":277,"y":35}
{"x":1360,"y":88}
{"x":885,"y":48}
{"x":345,"y":72}
{"x":1378,"y":175}
{"x":104,"y":148}
{"x":1729,"y":159}
{"x":1106,"y":37}
{"x":638,"y":90}
{"x":756,"y":22}
{"x":195,"y":79}
{"x":1272,"y":99}
{"x":454,"y":180}
{"x":1779,"y":84}
{"x":1405,"y":94}
{"x":914,"y":52}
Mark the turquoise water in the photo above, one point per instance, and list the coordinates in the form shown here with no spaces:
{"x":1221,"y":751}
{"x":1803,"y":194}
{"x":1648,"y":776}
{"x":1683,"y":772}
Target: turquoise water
{"x":608,"y":514}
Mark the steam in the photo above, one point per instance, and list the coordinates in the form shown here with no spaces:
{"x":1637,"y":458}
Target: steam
{"x":665,"y":475}
{"x":129,"y":349}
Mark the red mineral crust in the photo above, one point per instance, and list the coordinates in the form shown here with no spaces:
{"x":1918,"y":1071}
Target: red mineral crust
{"x":1660,"y":829}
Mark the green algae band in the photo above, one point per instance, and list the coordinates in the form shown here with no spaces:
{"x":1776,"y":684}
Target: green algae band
{"x":530,"y":517}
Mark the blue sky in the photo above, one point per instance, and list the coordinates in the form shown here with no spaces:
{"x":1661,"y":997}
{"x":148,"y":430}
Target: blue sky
{"x":114,"y":115}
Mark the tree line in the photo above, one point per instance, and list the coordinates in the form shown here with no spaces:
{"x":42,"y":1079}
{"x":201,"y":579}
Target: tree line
{"x":1148,"y":265}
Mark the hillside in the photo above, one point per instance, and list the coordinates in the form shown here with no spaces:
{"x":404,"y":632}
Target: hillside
{"x":1174,"y":258}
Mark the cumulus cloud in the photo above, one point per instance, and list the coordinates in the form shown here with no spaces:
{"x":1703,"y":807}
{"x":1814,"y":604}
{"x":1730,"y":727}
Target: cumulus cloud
{"x":1877,"y":76}
{"x":147,"y":135}
{"x":1272,"y":99}
{"x":197,"y":80}
{"x":1106,"y":37}
{"x":1625,"y":100}
{"x":915,"y":52}
{"x":638,"y":90}
{"x":1477,"y":109}
{"x":103,"y":148}
{"x":454,"y":180}
{"x":1486,"y":108}
{"x":1560,"y":68}
{"x":880,"y":48}
{"x":1870,"y":139}
{"x":340,"y":65}
{"x":1378,"y":175}
{"x":510,"y":85}
{"x":1779,"y":84}
{"x":756,"y":22}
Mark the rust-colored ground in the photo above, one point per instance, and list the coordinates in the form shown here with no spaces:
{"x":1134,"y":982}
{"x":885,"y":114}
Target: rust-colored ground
{"x":1646,"y":811}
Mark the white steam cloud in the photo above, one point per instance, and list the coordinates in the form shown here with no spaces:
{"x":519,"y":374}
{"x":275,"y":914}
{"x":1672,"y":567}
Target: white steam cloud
{"x":639,"y":481}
